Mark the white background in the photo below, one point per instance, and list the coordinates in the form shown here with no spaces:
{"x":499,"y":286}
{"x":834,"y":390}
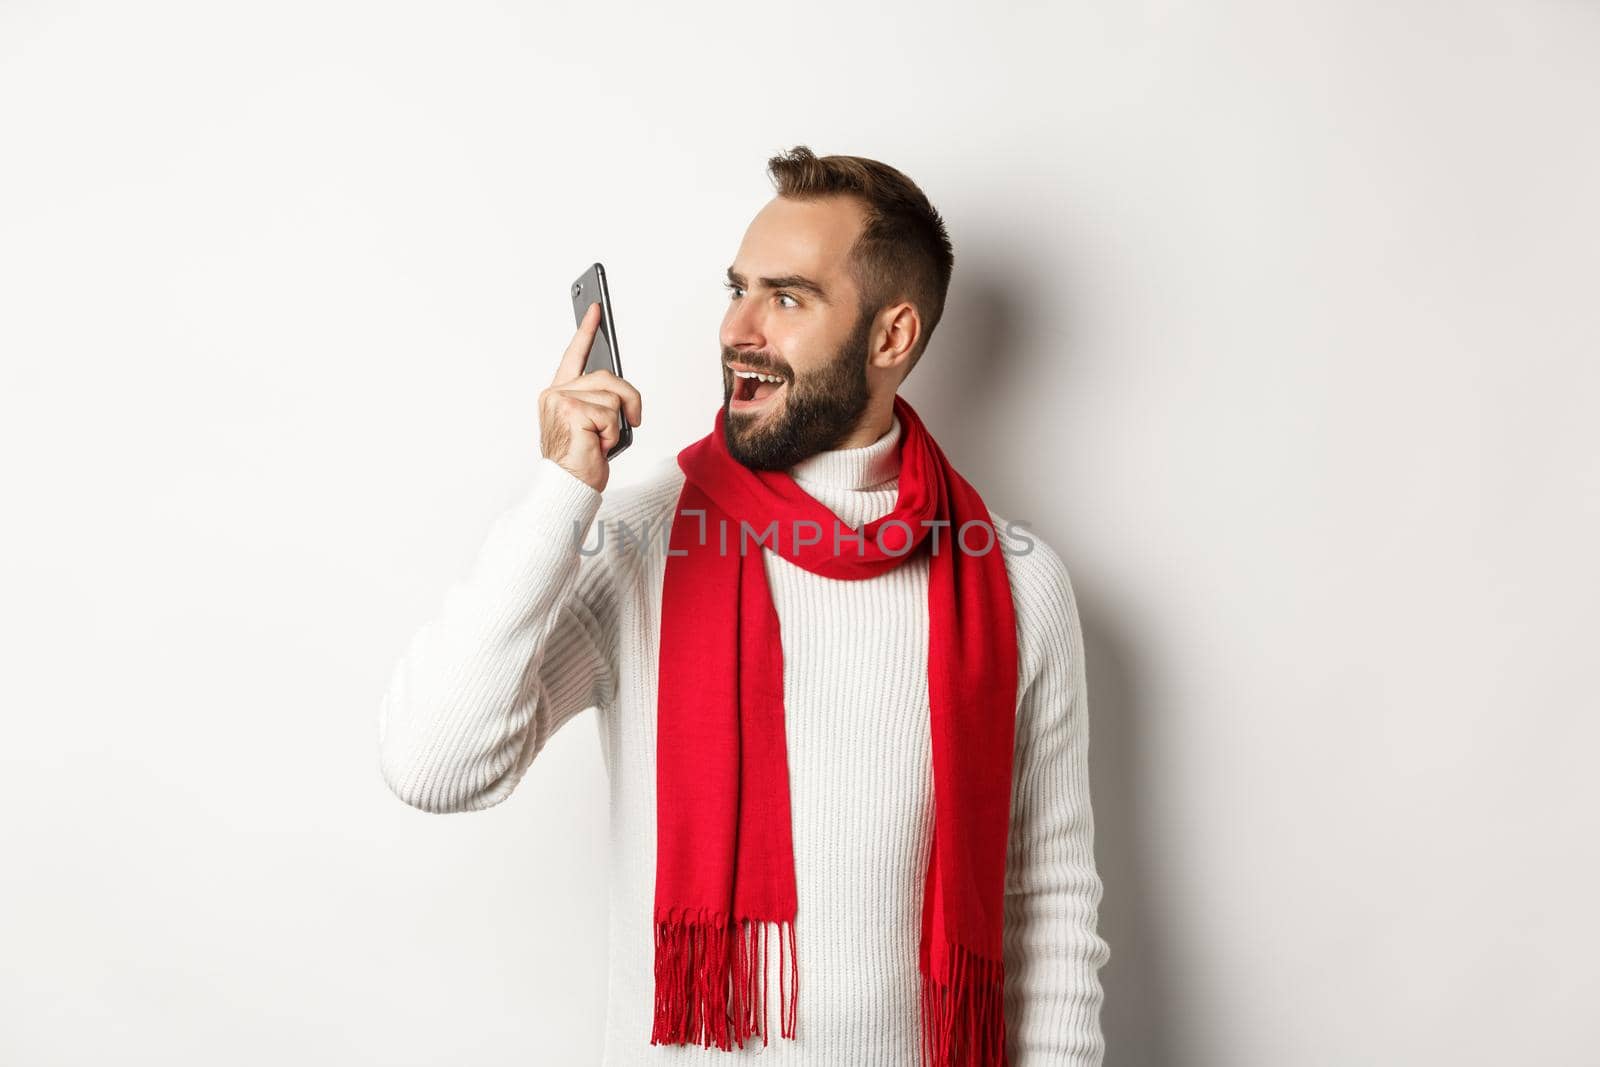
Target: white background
{"x":1277,"y":320}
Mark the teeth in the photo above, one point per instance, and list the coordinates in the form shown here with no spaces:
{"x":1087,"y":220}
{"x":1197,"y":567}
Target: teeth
{"x":758,"y":377}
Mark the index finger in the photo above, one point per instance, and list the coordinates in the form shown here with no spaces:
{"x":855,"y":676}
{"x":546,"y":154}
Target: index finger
{"x":577,"y":353}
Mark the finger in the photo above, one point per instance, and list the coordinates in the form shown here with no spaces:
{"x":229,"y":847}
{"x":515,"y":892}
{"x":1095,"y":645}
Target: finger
{"x":577,"y":353}
{"x":575,"y":408}
{"x":604,"y":398}
{"x":603,"y":418}
{"x":632,"y":402}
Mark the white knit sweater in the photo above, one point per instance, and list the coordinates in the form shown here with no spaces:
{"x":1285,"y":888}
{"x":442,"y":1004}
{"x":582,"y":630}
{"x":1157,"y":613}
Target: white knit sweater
{"x":539,"y":631}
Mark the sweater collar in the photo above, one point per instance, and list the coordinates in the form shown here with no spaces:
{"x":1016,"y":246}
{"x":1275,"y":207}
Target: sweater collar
{"x":865,"y":467}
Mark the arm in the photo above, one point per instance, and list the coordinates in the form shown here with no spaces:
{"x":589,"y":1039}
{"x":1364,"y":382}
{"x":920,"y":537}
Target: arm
{"x":1053,"y":952}
{"x":520,"y":646}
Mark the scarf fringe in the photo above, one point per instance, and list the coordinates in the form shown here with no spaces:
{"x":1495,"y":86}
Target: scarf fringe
{"x":711,"y":979}
{"x":963,"y":1016}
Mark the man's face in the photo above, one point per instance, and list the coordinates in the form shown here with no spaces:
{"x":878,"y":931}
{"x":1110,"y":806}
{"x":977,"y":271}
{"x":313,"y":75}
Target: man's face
{"x":779,"y":324}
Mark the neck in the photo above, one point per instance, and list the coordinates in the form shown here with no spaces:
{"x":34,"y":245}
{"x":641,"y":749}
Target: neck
{"x":874,"y":423}
{"x":854,"y":467}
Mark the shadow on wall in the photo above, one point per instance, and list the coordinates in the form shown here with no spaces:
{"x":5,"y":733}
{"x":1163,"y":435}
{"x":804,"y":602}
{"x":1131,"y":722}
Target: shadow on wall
{"x":1138,"y":1014}
{"x":965,"y":390}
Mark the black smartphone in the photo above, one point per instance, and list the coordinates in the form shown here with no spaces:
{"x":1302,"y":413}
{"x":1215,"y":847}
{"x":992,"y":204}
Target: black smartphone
{"x":590,"y":287}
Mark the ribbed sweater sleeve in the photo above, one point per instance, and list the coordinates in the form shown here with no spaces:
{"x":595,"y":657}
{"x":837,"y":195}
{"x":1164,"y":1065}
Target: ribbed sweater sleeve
{"x":1053,"y":891}
{"x":520,"y":645}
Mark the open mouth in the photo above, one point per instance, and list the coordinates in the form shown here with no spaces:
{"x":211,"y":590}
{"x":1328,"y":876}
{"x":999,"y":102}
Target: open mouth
{"x":753,"y":388}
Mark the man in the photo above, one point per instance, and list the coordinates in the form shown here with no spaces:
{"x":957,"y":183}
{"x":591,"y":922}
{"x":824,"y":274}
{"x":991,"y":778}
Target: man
{"x":780,"y":707}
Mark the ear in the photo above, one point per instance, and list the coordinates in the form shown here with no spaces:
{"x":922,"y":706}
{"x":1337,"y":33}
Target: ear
{"x":893,"y":338}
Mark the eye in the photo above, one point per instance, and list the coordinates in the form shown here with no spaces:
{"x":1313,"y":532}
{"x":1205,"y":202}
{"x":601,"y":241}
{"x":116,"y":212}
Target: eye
{"x":734,"y":291}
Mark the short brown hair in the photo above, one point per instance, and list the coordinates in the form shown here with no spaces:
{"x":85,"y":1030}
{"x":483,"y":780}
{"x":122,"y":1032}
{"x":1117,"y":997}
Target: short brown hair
{"x":903,"y":252}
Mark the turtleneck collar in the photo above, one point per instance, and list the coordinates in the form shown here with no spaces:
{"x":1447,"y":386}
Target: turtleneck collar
{"x":866,"y":467}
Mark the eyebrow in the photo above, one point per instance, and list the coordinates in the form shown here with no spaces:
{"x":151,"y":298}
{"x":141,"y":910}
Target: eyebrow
{"x":787,"y":281}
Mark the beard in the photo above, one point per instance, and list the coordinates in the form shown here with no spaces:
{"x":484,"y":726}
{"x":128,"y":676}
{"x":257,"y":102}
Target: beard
{"x":821,"y":409}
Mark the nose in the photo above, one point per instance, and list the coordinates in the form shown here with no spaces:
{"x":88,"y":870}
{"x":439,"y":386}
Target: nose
{"x":741,"y":326}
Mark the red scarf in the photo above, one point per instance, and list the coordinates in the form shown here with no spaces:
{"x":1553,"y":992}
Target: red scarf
{"x":724,"y":855}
